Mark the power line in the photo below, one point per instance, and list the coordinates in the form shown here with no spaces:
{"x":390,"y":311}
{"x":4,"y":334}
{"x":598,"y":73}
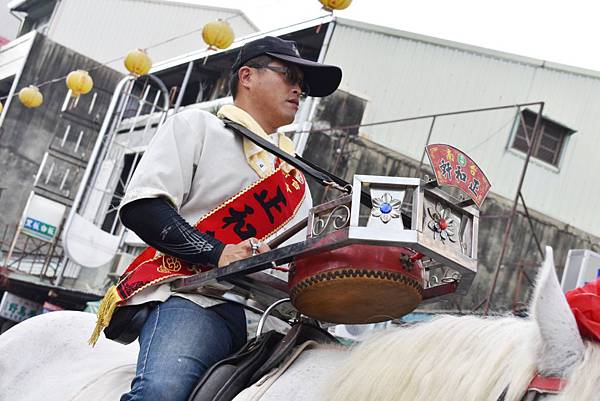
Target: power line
{"x":499,"y":130}
{"x":106,"y":63}
{"x":400,"y":120}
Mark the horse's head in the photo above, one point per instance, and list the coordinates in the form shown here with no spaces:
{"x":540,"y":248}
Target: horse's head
{"x":563,"y":353}
{"x":469,"y":358}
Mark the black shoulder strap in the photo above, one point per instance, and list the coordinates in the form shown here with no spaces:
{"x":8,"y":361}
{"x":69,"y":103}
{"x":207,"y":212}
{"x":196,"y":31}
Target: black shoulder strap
{"x":321,"y":175}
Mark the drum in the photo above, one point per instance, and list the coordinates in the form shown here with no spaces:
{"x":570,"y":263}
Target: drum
{"x":357,"y":284}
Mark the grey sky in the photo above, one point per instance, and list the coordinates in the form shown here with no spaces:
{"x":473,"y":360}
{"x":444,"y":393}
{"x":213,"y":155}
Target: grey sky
{"x":561,"y":31}
{"x":555,"y":30}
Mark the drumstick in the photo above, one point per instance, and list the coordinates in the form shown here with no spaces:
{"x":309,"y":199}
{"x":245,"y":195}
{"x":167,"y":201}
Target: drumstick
{"x":287,"y":234}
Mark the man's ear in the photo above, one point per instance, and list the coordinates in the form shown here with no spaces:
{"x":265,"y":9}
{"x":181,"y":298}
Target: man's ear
{"x":245,"y":75}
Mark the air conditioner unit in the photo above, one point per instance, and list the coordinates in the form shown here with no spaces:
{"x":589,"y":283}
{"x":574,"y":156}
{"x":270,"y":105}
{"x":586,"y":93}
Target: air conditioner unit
{"x":581,"y":267}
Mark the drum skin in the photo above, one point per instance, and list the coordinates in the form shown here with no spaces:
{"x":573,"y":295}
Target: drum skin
{"x":357,"y":284}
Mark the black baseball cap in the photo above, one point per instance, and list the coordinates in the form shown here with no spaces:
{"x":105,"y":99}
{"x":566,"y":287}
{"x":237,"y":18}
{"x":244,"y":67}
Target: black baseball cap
{"x":322,"y":79}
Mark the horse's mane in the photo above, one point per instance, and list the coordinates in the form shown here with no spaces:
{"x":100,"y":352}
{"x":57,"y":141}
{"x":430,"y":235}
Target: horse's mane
{"x":455,"y":359}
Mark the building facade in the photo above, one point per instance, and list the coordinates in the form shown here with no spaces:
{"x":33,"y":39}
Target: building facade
{"x":399,"y":92}
{"x":404,"y":75}
{"x":45,"y":151}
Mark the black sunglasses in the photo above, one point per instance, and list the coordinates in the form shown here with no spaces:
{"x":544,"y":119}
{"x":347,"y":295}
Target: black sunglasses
{"x":291,"y":76}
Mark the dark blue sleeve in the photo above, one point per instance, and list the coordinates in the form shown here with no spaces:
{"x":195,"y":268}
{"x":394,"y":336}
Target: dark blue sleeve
{"x":159,"y":225}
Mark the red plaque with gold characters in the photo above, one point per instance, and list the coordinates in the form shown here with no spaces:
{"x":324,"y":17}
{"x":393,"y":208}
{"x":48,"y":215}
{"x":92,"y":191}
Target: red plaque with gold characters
{"x":454,"y":168}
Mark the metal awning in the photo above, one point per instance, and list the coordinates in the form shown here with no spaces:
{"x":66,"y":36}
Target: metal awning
{"x":23,"y":5}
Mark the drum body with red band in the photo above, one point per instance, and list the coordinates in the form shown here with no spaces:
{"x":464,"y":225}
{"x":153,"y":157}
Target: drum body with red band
{"x":357,"y":284}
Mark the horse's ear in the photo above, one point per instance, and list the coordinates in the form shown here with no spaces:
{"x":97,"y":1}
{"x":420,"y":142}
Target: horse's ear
{"x":562,"y":346}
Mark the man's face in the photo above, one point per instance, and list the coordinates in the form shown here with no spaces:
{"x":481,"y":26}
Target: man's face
{"x":276,"y":90}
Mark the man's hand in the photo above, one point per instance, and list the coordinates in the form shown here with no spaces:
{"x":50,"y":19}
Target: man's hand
{"x":243,"y":250}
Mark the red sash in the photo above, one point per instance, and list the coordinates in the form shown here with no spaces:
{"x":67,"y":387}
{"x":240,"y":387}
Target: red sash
{"x":257,"y":211}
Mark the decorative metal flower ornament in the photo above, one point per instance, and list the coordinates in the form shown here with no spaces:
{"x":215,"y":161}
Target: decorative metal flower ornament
{"x":441,"y":223}
{"x":386,"y":208}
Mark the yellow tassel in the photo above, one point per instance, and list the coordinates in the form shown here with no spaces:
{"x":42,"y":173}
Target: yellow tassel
{"x":105,"y":311}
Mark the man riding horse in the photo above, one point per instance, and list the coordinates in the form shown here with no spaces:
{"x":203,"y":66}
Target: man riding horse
{"x":203,"y":197}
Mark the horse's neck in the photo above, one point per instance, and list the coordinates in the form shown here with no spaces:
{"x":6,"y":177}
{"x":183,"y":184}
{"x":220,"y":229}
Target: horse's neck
{"x":450,"y":359}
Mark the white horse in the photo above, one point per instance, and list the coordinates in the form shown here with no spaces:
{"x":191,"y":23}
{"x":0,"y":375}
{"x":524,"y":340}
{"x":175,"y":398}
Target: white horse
{"x":452,"y":358}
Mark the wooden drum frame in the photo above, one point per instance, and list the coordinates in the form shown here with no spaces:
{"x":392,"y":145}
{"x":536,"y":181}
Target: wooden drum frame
{"x":357,"y":284}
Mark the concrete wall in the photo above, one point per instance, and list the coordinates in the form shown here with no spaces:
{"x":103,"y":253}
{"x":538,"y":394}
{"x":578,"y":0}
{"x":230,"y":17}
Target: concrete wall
{"x":348,"y":155}
{"x":26,"y":134}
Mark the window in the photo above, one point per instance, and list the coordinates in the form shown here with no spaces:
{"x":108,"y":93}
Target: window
{"x":551,"y":142}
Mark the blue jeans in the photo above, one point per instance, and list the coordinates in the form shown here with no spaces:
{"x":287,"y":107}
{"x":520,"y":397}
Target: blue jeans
{"x":179,"y":342}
